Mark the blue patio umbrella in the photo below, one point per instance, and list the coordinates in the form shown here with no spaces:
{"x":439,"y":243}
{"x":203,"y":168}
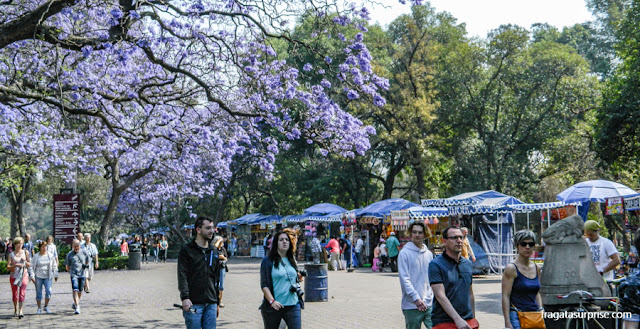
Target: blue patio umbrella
{"x":595,"y":191}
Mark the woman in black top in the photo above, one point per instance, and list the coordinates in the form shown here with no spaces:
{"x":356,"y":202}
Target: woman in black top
{"x":144,"y":247}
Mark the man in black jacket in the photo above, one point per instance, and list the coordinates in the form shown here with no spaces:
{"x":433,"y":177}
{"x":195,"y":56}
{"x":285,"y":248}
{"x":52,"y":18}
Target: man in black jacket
{"x":198,"y":275}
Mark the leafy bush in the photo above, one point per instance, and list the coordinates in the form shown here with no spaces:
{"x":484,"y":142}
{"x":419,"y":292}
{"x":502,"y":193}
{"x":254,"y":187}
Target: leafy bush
{"x":107,"y":263}
{"x":3,"y":267}
{"x":111,"y":251}
{"x":118,"y":262}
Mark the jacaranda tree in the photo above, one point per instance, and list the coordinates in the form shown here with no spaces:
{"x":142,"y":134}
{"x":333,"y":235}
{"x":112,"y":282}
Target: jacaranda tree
{"x":171,"y":91}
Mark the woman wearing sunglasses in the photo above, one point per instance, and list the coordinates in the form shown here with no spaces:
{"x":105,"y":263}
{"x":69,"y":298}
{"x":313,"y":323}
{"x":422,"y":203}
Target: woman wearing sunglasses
{"x":521,"y":281}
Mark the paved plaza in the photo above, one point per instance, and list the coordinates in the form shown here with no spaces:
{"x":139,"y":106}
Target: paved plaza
{"x":144,"y":299}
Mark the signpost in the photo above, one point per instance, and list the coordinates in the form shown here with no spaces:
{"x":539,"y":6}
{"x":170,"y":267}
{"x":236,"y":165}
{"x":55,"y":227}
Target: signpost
{"x":66,"y":217}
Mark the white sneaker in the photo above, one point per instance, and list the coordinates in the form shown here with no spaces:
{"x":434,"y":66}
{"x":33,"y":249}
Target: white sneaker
{"x":78,"y":309}
{"x":47,"y":310}
{"x":39,"y":311}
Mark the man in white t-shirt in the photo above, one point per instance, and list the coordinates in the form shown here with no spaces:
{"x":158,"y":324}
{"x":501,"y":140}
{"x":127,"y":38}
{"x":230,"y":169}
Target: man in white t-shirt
{"x":604,"y":252}
{"x":358,"y":249}
{"x":92,"y":250}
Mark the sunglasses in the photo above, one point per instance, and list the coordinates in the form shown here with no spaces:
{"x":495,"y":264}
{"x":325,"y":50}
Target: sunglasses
{"x":530,"y":244}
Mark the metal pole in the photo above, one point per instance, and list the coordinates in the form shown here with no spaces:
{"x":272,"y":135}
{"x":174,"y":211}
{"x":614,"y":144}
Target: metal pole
{"x":528,"y":227}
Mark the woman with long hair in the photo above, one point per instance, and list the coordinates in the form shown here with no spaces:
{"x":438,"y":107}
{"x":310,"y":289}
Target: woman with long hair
{"x":45,"y":270}
{"x":124,"y":247}
{"x":521,"y":281}
{"x":164,"y":245}
{"x":218,"y":243}
{"x":155,"y":248}
{"x":18,"y":265}
{"x":144,"y":248}
{"x":279,"y":283}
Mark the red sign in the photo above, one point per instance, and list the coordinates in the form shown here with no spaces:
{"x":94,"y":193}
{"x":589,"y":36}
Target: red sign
{"x":66,"y":217}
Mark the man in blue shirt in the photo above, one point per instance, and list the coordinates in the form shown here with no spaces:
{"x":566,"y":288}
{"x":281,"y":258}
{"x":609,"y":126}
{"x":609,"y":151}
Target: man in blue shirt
{"x":450,"y":279}
{"x":76,"y":262}
{"x":393,"y":250}
{"x":28,"y":244}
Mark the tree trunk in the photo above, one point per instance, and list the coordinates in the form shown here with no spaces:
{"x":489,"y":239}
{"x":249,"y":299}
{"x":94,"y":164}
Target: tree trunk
{"x":17,"y":198}
{"x":117,"y":188}
{"x":390,"y":180}
{"x":179,"y":233}
{"x":108,"y":216}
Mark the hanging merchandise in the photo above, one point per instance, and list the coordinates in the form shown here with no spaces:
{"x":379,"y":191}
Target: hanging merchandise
{"x":370,"y":220}
{"x":614,"y":206}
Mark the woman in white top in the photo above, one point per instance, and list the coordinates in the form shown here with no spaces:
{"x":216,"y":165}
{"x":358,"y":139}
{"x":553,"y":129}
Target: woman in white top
{"x":45,"y":269}
{"x":52,"y":249}
{"x":18,"y":265}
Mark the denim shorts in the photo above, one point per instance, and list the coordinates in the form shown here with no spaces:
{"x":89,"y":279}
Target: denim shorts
{"x":223,"y":271}
{"x":513,"y":317}
{"x":77,"y":283}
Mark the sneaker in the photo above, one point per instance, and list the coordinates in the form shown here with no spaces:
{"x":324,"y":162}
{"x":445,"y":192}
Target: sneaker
{"x":78,"y":310}
{"x":73,"y":306}
{"x":39,"y":311}
{"x":47,"y":310}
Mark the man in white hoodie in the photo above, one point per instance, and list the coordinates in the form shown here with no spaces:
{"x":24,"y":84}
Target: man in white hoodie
{"x":413,"y":262}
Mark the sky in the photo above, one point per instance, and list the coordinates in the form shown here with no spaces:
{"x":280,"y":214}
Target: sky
{"x":482,"y":16}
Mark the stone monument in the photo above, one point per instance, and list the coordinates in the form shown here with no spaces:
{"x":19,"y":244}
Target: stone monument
{"x":568,"y":264}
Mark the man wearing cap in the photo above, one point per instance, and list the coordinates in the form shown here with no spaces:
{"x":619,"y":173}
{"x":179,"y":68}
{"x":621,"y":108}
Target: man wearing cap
{"x":604,"y":252}
{"x":392,"y":248}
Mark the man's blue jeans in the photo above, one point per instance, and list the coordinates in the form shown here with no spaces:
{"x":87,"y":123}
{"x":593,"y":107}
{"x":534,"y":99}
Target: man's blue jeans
{"x":290,"y":314}
{"x":204,"y":317}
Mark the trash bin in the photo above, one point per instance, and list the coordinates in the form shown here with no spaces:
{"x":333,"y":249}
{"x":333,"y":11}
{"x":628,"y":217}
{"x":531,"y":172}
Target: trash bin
{"x":316,"y":284}
{"x":134,"y":260}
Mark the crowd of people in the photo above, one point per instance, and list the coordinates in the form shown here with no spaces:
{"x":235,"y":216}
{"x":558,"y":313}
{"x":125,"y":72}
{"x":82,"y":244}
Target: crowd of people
{"x":156,"y":246}
{"x":41,"y":268}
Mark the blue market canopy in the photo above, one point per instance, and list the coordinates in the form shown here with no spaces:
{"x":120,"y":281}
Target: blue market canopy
{"x":267,"y":219}
{"x":246,"y":219}
{"x":419,"y":212}
{"x":293,"y":218}
{"x":530,"y":207}
{"x":221,"y":225}
{"x":469,"y":198}
{"x":595,"y":191}
{"x":384,"y":208}
{"x":471,"y":203}
{"x":325,"y":209}
{"x":314,"y":217}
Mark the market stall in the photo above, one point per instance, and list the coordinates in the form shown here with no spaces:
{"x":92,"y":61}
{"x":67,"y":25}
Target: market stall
{"x":491,"y":222}
{"x":374,"y":221}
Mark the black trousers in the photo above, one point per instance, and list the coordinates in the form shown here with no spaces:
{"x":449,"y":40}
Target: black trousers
{"x":393,"y":262}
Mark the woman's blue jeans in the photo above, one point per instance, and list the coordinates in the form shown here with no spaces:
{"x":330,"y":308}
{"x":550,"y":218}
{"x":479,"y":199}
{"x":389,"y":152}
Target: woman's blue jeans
{"x":290,"y":314}
{"x":204,"y":316}
{"x":47,"y":287}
